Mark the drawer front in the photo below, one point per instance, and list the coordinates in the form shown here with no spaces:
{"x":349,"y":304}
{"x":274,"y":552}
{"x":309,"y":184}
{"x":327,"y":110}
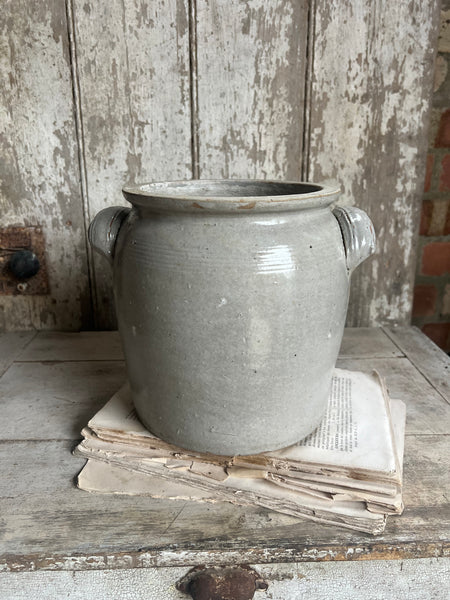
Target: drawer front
{"x":371,"y":580}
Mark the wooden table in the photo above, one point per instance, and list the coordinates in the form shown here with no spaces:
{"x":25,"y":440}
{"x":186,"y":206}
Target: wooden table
{"x":57,"y":541}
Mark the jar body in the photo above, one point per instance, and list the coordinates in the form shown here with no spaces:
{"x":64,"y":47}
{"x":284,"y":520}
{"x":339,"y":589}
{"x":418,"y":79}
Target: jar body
{"x":231,"y":323}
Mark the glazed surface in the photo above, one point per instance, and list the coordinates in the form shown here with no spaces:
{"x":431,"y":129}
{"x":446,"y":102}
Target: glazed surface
{"x":231,"y":323}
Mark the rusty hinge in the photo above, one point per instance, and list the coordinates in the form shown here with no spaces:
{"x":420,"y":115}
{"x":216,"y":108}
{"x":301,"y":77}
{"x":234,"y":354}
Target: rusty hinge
{"x":221,"y":583}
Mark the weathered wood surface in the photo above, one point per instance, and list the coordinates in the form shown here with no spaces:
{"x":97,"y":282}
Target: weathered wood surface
{"x":54,"y":400}
{"x":12,"y":345}
{"x":371,"y":82}
{"x":61,"y":346}
{"x":365,"y":342}
{"x":38,"y":161}
{"x":424,"y":355}
{"x":48,"y":524}
{"x":133,"y":77}
{"x":251,"y":60}
{"x":421,"y":579}
{"x":426,"y":411}
{"x":105,"y":345}
{"x":95,"y":95}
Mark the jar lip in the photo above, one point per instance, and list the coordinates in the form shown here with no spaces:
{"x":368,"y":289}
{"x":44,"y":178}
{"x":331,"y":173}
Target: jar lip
{"x":217,"y":194}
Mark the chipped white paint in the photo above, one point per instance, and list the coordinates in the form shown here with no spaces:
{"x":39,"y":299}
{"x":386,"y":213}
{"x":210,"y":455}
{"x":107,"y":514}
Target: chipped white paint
{"x":420,"y":579}
{"x":39,"y":176}
{"x":133,"y":66}
{"x":368,"y":88}
{"x":372,"y":79}
{"x":251,"y":66}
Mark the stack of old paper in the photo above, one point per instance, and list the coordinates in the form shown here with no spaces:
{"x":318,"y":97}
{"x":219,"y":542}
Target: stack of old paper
{"x":348,"y":472}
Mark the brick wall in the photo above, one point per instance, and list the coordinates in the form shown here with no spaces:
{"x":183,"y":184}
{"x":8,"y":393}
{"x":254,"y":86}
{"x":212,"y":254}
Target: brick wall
{"x":431,"y":308}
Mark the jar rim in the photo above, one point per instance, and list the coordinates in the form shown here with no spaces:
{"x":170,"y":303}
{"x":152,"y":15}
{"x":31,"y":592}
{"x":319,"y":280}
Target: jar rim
{"x":226,"y":194}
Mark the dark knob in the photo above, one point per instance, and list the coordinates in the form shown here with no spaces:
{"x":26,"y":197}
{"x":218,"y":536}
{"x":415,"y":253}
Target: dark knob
{"x":24,"y":264}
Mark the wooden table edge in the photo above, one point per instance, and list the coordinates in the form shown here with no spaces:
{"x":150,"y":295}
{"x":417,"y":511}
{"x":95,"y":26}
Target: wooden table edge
{"x":183,"y":557}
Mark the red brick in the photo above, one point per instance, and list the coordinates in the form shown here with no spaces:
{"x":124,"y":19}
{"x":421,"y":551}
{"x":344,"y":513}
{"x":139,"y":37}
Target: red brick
{"x":447,"y":220}
{"x":435,"y":218}
{"x":428,"y":172}
{"x":425,"y":218}
{"x":446,"y":300}
{"x":424,"y":304}
{"x":444,"y":179}
{"x":436,"y":258}
{"x":439,"y":333}
{"x":443,"y":135}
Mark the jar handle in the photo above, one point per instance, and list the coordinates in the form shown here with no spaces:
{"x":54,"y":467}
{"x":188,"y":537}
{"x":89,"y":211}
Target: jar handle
{"x":358,"y":234}
{"x":104,"y":229}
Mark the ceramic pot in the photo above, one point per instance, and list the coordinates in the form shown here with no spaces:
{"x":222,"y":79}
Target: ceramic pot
{"x":231,"y":299}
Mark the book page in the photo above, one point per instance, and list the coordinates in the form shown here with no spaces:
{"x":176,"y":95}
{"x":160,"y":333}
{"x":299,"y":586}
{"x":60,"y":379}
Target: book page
{"x":353,"y":515}
{"x":355,"y":432}
{"x":119,"y":415}
{"x":105,"y":478}
{"x":366,"y":490}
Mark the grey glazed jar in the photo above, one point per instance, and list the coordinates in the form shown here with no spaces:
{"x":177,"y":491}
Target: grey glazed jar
{"x":231,"y":299}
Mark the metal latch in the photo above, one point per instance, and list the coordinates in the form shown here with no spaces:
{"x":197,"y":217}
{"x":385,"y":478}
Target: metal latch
{"x":221,"y":583}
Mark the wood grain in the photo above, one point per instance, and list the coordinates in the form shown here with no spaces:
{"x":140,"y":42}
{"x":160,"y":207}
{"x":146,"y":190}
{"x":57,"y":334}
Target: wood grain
{"x":95,"y":95}
{"x":251,"y":75}
{"x":61,"y":346}
{"x":420,"y":579}
{"x":371,"y":84}
{"x":366,"y":342}
{"x":11,"y":346}
{"x":54,"y":400}
{"x":424,"y":355}
{"x":133,"y":69}
{"x":39,"y":171}
{"x":105,"y":345}
{"x":46,"y":523}
{"x":427,"y":412}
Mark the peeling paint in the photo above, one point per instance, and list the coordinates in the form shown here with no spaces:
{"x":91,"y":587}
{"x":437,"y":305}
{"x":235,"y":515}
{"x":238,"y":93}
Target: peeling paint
{"x":373,"y":67}
{"x":134,"y":82}
{"x":39,"y":167}
{"x":251,"y":61}
{"x":371,"y":78}
{"x":224,"y":556}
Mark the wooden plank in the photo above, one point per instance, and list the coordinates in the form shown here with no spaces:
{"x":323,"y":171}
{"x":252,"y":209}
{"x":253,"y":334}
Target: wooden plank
{"x":426,"y":463}
{"x":105,"y":345}
{"x":86,"y":345}
{"x":48,"y":524}
{"x":426,"y":411}
{"x":370,"y":95}
{"x":75,"y":390}
{"x":367,"y":342}
{"x":251,"y":60}
{"x":420,"y":579}
{"x":55,"y":400}
{"x":428,"y":358}
{"x":39,"y":162}
{"x":11,"y":345}
{"x":133,"y":67}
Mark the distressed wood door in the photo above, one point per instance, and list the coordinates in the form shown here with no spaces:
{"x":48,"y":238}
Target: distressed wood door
{"x":39,"y":167}
{"x":99,"y":94}
{"x":370,"y":89}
